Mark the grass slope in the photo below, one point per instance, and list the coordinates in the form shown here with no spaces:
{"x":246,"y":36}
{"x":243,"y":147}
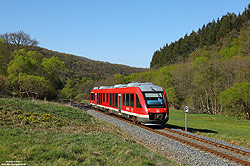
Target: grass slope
{"x":228,"y":129}
{"x":44,"y":133}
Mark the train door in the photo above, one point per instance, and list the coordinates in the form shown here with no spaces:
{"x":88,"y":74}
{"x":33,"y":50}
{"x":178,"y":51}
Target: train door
{"x":120,"y":103}
{"x":95,"y":100}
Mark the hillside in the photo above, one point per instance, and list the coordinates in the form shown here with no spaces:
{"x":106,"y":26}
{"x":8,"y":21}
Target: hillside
{"x":213,"y":33}
{"x":32,"y":71}
{"x":213,"y":78}
{"x":78,"y":67}
{"x":46,"y":133}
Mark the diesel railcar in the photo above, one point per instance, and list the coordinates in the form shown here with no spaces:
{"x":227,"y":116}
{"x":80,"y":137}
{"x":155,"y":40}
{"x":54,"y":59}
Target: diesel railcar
{"x":143,"y":103}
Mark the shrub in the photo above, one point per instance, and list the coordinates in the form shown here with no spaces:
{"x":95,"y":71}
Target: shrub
{"x":236,"y":100}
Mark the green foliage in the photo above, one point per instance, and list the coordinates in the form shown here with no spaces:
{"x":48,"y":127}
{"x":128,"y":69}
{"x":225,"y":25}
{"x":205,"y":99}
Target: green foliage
{"x":84,"y":88}
{"x":164,"y":78}
{"x":207,"y":62}
{"x":171,"y":96}
{"x":68,"y":92}
{"x":36,"y":86}
{"x":26,"y":75}
{"x":233,"y":50}
{"x":23,"y":57}
{"x":120,"y":79}
{"x":20,"y":64}
{"x":3,"y":58}
{"x":25,"y":62}
{"x":215,"y":32}
{"x":244,"y":40}
{"x":236,"y":99}
{"x":53,"y":66}
{"x":199,"y":62}
{"x":31,"y":86}
{"x":206,"y":73}
{"x":3,"y":84}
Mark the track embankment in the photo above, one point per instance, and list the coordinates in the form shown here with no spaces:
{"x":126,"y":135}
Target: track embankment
{"x":179,"y":146}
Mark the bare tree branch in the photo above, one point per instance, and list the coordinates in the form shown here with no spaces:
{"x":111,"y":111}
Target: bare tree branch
{"x":19,"y":39}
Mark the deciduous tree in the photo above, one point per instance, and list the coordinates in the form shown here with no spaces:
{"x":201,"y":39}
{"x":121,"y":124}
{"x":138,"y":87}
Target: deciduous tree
{"x":19,"y":39}
{"x":52,"y":67}
{"x":236,"y":99}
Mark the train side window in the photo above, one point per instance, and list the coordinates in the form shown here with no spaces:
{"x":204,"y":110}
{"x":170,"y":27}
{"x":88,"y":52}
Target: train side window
{"x":113,"y":99}
{"x":113,"y":96}
{"x":110,"y":99}
{"x":97,"y":98}
{"x":138,"y":104}
{"x":100,"y":98}
{"x":103,"y":97}
{"x":127,"y":99}
{"x":116,"y":100}
{"x":123,"y":99}
{"x":132,"y":100}
{"x":107,"y":98}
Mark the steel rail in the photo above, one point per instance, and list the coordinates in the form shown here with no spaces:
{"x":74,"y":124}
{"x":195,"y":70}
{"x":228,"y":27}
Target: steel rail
{"x":245,"y":163}
{"x":209,"y":142}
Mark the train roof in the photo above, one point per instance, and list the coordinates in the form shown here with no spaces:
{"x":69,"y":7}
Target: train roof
{"x":143,"y":86}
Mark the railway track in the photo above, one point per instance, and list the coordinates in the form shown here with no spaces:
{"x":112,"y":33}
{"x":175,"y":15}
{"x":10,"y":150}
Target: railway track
{"x":239,"y":156}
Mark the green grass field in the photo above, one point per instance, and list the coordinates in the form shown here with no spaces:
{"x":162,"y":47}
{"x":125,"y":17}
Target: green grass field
{"x":45,"y":133}
{"x":228,"y":129}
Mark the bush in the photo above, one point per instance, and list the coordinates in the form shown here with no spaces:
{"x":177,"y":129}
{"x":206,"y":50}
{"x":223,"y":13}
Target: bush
{"x":3,"y":85}
{"x":236,"y":100}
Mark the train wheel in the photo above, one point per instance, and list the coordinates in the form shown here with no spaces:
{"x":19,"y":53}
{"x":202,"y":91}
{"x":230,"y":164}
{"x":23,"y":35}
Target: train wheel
{"x":134,"y":120}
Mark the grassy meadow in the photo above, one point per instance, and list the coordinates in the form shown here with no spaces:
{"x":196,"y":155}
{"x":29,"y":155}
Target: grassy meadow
{"x":45,"y":133}
{"x":225,"y":128}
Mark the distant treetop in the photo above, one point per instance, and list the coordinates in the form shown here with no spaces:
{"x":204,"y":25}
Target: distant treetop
{"x":212,"y":33}
{"x":19,"y":39}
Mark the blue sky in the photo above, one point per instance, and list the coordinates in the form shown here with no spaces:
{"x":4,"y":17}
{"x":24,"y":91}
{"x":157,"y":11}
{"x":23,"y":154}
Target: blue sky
{"x":117,"y":31}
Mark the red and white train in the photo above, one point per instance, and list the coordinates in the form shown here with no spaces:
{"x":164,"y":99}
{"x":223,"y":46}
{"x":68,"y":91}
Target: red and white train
{"x":142,"y":102}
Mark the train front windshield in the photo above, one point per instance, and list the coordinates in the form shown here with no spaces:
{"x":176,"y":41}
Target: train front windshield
{"x":155,"y":99}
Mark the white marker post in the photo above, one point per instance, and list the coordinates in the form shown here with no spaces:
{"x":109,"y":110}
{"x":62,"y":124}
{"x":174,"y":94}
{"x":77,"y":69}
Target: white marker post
{"x":186,"y":111}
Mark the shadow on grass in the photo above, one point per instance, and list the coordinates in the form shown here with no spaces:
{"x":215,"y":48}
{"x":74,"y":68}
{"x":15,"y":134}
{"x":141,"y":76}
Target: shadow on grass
{"x":192,"y":130}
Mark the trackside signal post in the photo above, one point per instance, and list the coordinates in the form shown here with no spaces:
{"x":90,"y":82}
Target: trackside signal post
{"x":186,"y":111}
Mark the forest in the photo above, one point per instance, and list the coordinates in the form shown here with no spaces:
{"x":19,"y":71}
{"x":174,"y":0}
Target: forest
{"x":213,"y":33}
{"x":27,"y":70}
{"x":208,"y":70}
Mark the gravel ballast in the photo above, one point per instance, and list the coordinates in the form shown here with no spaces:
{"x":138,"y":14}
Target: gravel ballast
{"x":218,"y":141}
{"x":174,"y":150}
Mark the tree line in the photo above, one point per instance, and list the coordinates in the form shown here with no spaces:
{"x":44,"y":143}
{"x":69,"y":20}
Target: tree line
{"x":27,"y":70}
{"x":212,"y":80}
{"x":212,"y":33}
